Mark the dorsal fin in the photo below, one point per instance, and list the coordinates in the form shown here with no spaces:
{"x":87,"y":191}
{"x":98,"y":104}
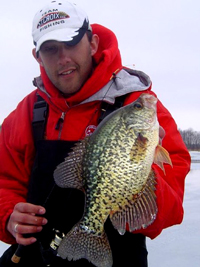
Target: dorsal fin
{"x":68,"y":174}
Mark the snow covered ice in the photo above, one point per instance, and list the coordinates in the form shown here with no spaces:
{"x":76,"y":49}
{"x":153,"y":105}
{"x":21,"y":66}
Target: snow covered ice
{"x":178,"y":245}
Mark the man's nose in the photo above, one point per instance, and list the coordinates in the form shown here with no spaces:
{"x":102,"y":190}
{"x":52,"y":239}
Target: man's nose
{"x":64,"y":55}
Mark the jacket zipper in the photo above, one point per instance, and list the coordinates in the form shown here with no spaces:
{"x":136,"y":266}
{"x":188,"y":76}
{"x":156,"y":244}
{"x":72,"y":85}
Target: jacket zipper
{"x":59,"y":124}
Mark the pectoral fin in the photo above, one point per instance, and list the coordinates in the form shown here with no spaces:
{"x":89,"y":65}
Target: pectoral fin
{"x":162,"y":156}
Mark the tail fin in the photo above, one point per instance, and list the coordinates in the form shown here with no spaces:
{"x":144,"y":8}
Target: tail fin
{"x":78,"y":244}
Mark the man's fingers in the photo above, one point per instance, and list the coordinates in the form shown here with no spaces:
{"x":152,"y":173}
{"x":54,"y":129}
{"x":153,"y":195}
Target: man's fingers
{"x":21,"y":230}
{"x":25,"y":241}
{"x":25,"y":219}
{"x":29,"y":208}
{"x":161,"y":134}
{"x":18,"y":220}
{"x":26,"y":229}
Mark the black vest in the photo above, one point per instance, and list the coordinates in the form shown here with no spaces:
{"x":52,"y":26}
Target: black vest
{"x":65,"y":206}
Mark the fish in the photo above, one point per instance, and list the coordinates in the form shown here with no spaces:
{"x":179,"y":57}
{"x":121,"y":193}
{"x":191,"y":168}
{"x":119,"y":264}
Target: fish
{"x":113,"y":167}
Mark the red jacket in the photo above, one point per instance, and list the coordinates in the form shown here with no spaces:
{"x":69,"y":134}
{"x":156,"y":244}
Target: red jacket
{"x":80,"y":113}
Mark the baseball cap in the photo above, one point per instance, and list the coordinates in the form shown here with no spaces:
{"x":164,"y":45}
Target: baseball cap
{"x":60,"y":21}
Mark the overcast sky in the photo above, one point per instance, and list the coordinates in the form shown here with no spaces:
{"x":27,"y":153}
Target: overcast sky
{"x":161,"y":38}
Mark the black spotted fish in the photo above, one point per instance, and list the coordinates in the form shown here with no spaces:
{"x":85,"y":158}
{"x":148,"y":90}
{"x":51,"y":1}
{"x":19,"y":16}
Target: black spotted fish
{"x":113,"y":167}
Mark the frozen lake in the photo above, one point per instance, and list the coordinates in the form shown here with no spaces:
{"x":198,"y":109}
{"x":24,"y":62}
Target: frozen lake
{"x":178,"y":245}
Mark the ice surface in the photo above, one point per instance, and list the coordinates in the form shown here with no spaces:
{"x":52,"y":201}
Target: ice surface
{"x":180,"y":245}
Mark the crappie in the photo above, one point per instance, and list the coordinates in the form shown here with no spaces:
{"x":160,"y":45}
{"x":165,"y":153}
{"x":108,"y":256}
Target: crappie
{"x":113,"y":167}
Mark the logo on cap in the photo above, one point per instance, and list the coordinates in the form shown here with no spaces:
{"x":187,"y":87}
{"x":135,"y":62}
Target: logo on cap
{"x":51,"y":17}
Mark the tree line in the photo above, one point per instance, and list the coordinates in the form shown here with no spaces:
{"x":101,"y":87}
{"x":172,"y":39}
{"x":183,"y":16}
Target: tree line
{"x":191,"y":138}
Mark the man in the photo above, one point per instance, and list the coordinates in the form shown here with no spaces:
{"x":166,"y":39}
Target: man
{"x":80,"y":69}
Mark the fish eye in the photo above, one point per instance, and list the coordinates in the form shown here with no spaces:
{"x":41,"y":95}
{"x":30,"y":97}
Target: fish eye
{"x":138,"y":106}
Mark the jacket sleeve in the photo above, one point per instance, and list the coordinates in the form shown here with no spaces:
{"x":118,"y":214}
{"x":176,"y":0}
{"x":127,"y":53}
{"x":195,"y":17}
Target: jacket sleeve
{"x":170,"y":186}
{"x":16,"y":146}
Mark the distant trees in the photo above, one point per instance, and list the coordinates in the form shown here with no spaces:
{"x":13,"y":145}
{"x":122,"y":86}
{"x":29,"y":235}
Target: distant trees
{"x":191,"y":139}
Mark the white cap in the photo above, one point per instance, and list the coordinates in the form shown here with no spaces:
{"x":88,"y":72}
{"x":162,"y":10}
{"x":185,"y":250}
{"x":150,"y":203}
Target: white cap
{"x":59,"y":21}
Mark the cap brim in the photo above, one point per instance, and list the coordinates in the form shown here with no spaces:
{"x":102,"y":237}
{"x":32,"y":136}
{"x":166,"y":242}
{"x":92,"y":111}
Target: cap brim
{"x":70,"y":36}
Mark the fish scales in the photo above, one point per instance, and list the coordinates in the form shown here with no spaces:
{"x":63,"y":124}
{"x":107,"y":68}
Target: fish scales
{"x":113,"y":166}
{"x":113,"y":159}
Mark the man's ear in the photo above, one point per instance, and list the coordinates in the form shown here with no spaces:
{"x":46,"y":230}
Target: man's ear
{"x":94,"y":44}
{"x":37,"y":57}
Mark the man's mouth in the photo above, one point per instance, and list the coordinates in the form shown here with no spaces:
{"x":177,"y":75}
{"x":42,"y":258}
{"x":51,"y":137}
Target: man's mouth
{"x":67,"y":72}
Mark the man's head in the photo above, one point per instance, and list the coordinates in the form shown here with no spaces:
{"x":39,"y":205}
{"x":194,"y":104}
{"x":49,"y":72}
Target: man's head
{"x":64,"y":45}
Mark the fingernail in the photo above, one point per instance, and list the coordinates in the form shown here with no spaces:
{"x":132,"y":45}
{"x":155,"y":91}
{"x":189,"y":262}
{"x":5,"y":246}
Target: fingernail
{"x":39,"y":228}
{"x":44,"y":221}
{"x":41,"y":211}
{"x":33,"y":240}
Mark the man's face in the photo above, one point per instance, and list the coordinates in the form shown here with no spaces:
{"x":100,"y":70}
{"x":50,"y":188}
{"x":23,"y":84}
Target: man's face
{"x":68,"y":67}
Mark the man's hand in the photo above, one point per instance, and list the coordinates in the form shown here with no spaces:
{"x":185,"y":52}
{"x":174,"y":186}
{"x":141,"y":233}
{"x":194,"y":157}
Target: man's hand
{"x":25,"y":220}
{"x":161,"y":134}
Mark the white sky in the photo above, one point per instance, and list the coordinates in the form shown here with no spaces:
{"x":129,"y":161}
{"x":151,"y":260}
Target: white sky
{"x":161,"y":38}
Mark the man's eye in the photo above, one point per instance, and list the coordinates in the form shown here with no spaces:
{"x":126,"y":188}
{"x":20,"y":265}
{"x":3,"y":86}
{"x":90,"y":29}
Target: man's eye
{"x":50,"y":49}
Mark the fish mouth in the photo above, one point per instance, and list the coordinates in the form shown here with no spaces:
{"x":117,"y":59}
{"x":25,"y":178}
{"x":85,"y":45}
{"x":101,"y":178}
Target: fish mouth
{"x":149,"y":100}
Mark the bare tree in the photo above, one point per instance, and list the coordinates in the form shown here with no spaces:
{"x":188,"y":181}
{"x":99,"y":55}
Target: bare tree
{"x":191,"y":138}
